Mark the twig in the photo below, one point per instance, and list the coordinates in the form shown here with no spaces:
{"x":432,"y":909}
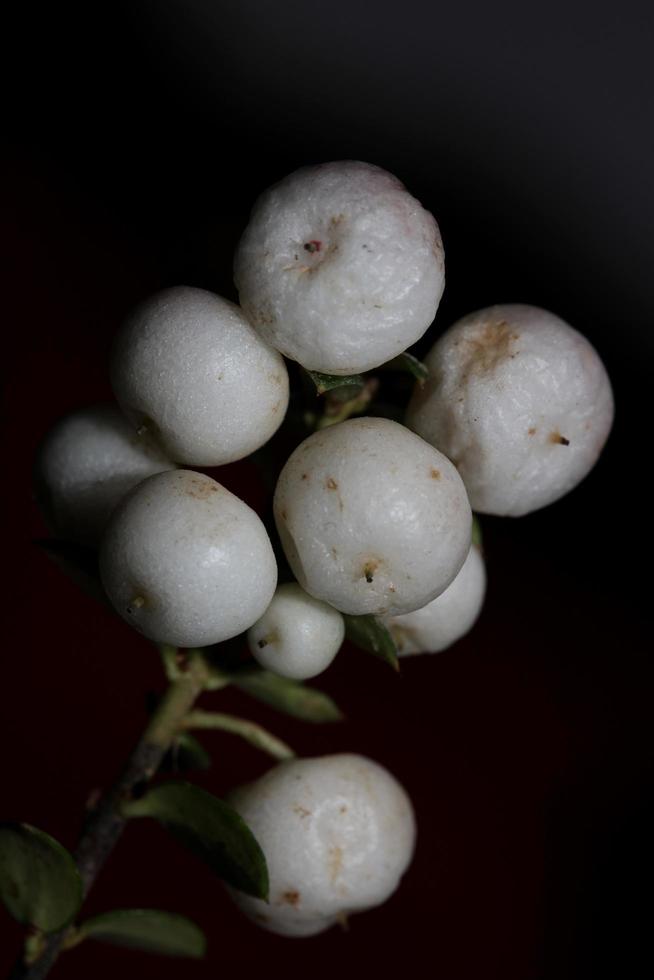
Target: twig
{"x":106,"y":824}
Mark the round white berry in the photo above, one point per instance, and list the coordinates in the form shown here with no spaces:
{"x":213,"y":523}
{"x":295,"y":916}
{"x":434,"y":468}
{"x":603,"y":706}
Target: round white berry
{"x":188,"y":367}
{"x":372,"y":519}
{"x":338,"y":833}
{"x":297,"y":636}
{"x":340,"y":268}
{"x":520,"y":402}
{"x":85,"y":466}
{"x":186,"y":562}
{"x":446,"y":618}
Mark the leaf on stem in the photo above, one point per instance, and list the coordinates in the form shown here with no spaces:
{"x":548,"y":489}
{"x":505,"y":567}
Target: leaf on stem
{"x":39,"y":880}
{"x":150,"y":930}
{"x":477,"y":538}
{"x":327,"y":382}
{"x":285,"y":695}
{"x":369,"y":633}
{"x":186,"y":753}
{"x":210,"y":829}
{"x":409,"y":365}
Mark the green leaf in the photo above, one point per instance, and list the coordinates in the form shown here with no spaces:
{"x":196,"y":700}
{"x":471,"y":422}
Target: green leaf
{"x":410,"y":365}
{"x":211,"y":830}
{"x":327,"y":382}
{"x":369,"y":633}
{"x":150,"y":930}
{"x":477,"y":539}
{"x":186,"y":753}
{"x":290,"y":697}
{"x":78,"y":562}
{"x":39,"y":880}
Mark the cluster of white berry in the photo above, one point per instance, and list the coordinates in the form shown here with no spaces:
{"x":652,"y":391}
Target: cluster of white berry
{"x":340,"y":269}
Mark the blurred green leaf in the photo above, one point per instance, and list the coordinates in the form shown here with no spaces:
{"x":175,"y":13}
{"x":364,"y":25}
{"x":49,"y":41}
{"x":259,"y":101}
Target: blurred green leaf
{"x":291,"y":697}
{"x":210,"y":829}
{"x":327,"y":382}
{"x":369,"y":633}
{"x":39,"y":880}
{"x":477,"y":538}
{"x":410,"y":365}
{"x":78,"y":562}
{"x":186,"y":753}
{"x":150,"y":930}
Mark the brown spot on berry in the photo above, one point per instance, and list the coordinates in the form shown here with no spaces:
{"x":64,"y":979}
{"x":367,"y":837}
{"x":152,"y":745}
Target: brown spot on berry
{"x":290,"y":897}
{"x":331,"y":483}
{"x":532,"y":431}
{"x":335,"y":862}
{"x":490,"y":346}
{"x":313,"y":246}
{"x":435,"y":474}
{"x":558,"y":440}
{"x":305,"y":476}
{"x":369,"y":569}
{"x":283,"y":515}
{"x":301,"y":811}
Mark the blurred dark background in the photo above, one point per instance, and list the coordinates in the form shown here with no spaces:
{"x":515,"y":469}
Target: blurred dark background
{"x":139,"y":134}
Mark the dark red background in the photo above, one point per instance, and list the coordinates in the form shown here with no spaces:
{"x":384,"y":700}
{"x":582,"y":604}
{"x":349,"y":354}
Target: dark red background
{"x":527,"y":748}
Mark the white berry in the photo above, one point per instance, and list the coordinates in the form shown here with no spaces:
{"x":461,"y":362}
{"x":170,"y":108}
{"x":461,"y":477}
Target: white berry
{"x":372,"y":518}
{"x":86,"y":465}
{"x":188,"y":367}
{"x":340,"y":268}
{"x":520,"y":402}
{"x":297,"y":636}
{"x":338,"y":833}
{"x":446,"y":618}
{"x":186,"y":562}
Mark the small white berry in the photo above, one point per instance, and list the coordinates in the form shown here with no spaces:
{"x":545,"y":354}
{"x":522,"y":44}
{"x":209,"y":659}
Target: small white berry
{"x":520,"y":402}
{"x":446,"y":618}
{"x":85,"y":466}
{"x":338,"y":833}
{"x":297,"y":636}
{"x":186,"y":562}
{"x":188,"y":367}
{"x":372,"y":518}
{"x":340,"y":268}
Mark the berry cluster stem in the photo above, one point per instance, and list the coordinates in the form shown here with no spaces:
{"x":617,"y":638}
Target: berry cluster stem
{"x":106,"y":822}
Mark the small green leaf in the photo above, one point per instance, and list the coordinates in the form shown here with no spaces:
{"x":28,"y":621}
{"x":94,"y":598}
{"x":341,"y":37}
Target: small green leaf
{"x":411,"y":365}
{"x":290,"y":697}
{"x":210,"y":829}
{"x":150,"y":930}
{"x":39,"y":880}
{"x":327,"y":382}
{"x":186,"y":753}
{"x":369,"y":633}
{"x":477,"y":538}
{"x":78,"y":562}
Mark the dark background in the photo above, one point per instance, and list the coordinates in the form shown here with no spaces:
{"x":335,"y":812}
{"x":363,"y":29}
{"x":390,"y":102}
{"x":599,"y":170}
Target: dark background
{"x":140,"y":134}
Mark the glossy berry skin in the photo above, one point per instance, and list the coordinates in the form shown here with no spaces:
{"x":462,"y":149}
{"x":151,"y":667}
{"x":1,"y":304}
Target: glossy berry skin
{"x":446,"y":618}
{"x":188,"y":368}
{"x":520,"y":402}
{"x":372,"y":519}
{"x":297,"y":636}
{"x":338,"y":833}
{"x":186,"y":562}
{"x":85,"y":466}
{"x":340,"y":268}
